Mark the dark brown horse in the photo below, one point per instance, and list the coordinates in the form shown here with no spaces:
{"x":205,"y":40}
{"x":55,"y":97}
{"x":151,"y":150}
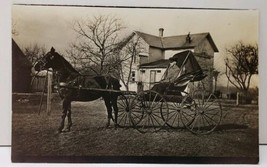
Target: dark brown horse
{"x":73,"y":83}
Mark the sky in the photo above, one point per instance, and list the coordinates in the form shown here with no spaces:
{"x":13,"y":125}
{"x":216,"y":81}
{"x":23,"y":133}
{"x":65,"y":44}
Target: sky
{"x":51,"y":25}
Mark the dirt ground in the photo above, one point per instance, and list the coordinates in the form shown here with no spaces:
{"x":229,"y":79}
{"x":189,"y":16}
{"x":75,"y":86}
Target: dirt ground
{"x":36,"y":135}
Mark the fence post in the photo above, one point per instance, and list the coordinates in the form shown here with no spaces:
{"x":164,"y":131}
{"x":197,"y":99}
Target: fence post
{"x":49,"y":92}
{"x":237,"y":98}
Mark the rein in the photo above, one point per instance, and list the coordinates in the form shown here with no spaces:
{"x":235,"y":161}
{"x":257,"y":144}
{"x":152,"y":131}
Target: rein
{"x":65,"y":73}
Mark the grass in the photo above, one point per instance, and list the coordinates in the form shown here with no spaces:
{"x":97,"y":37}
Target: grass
{"x":35,"y":135}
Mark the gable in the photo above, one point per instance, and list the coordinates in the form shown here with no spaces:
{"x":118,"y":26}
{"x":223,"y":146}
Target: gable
{"x":18,"y":57}
{"x":151,"y":40}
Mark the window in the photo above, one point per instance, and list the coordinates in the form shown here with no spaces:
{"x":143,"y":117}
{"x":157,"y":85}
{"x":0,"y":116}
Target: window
{"x":142,"y":71}
{"x":158,"y":71}
{"x":152,"y":76}
{"x":133,"y":76}
{"x":142,"y":75}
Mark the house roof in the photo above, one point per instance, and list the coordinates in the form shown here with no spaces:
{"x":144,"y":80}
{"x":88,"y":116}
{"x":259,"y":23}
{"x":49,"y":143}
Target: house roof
{"x":151,"y":40}
{"x":123,"y":42}
{"x":176,"y":42}
{"x":163,"y":63}
{"x":18,"y":57}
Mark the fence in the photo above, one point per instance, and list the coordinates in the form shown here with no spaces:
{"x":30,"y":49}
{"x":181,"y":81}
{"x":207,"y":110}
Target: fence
{"x":38,"y":84}
{"x":43,"y":84}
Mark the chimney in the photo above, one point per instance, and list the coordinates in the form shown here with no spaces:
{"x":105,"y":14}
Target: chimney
{"x":161,"y":32}
{"x":188,"y":38}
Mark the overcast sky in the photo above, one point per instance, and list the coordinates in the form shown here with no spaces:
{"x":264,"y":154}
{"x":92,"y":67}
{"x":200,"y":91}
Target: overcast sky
{"x":50,"y":25}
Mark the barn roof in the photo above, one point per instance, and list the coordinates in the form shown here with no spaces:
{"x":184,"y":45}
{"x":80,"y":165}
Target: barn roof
{"x":176,"y":42}
{"x":19,"y":57}
{"x":163,"y":63}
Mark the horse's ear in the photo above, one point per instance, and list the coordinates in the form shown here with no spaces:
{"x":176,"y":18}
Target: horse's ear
{"x":52,"y":50}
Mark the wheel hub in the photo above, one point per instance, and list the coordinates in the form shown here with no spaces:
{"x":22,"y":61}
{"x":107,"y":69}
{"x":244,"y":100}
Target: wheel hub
{"x":127,"y":109}
{"x":201,"y":112}
{"x":149,"y":112}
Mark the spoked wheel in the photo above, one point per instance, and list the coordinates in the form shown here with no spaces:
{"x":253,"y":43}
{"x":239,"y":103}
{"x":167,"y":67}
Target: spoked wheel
{"x":177,"y":105}
{"x":204,"y":113}
{"x":146,"y":111}
{"x":123,"y":112}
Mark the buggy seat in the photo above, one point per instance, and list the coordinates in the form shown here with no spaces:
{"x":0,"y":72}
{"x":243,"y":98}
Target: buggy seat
{"x":177,"y":76}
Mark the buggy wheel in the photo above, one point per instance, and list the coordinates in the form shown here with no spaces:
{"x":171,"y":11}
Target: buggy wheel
{"x":146,"y":111}
{"x":204,"y":114}
{"x":176,"y":106}
{"x":123,"y":112}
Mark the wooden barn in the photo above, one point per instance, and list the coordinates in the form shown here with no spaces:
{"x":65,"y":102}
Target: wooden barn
{"x":21,"y":70}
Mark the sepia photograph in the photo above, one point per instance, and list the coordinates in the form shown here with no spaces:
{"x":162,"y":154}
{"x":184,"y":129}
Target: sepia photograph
{"x":134,"y":85}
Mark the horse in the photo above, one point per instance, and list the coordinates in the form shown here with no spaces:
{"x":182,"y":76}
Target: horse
{"x":70,"y":85}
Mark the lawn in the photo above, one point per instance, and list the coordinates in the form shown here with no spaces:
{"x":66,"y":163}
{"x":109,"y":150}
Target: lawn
{"x":35,"y":135}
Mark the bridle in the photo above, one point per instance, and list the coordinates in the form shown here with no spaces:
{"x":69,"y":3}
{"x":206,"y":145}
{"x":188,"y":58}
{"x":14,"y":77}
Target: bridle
{"x":59,"y":75}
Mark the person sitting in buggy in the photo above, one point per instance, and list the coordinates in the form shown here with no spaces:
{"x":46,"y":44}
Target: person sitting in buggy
{"x":183,"y":68}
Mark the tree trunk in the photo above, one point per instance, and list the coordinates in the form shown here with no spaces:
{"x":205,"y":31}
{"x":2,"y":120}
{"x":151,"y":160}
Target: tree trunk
{"x":246,"y":98}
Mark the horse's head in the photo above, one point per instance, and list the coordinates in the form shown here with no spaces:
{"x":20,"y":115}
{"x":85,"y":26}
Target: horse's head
{"x":50,"y":60}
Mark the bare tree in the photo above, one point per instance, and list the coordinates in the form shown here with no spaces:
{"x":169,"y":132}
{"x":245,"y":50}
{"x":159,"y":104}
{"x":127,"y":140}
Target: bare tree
{"x":97,"y":39}
{"x":241,"y":65}
{"x":128,"y":59}
{"x":34,"y":51}
{"x":77,"y":59}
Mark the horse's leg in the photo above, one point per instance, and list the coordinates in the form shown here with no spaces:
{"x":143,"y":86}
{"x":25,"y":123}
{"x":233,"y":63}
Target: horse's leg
{"x":69,"y":118}
{"x":66,"y":106}
{"x":109,"y":110}
{"x":115,"y":108}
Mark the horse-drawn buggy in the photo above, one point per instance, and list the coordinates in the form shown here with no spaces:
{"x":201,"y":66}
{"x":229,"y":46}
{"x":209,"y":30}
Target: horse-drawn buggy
{"x":166,"y":104}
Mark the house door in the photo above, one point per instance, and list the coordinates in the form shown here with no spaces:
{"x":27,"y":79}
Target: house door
{"x":152,"y":78}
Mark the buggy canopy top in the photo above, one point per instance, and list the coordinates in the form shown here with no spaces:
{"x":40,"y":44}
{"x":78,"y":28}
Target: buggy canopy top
{"x":183,"y":66}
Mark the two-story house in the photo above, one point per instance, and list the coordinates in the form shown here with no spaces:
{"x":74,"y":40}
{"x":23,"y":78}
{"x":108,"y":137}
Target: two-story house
{"x":152,"y":53}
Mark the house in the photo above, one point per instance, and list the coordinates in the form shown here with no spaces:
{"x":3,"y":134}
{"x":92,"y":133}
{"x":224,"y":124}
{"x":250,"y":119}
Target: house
{"x":152,"y":55}
{"x":150,"y":73}
{"x":21,"y":70}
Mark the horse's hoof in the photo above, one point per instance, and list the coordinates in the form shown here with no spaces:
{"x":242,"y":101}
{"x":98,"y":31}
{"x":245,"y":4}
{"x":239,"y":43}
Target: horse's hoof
{"x":59,"y":131}
{"x":116,"y":126}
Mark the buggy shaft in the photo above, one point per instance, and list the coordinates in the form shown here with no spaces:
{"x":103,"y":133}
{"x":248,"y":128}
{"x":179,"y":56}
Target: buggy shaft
{"x":100,"y":90}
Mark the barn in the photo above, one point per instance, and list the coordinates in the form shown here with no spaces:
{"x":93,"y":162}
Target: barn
{"x":21,"y":70}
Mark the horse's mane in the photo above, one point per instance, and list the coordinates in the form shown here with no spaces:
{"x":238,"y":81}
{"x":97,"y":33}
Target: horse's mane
{"x":67,"y":64}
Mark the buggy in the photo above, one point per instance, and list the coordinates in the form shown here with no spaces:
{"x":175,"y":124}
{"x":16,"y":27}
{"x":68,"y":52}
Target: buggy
{"x":169,"y":103}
